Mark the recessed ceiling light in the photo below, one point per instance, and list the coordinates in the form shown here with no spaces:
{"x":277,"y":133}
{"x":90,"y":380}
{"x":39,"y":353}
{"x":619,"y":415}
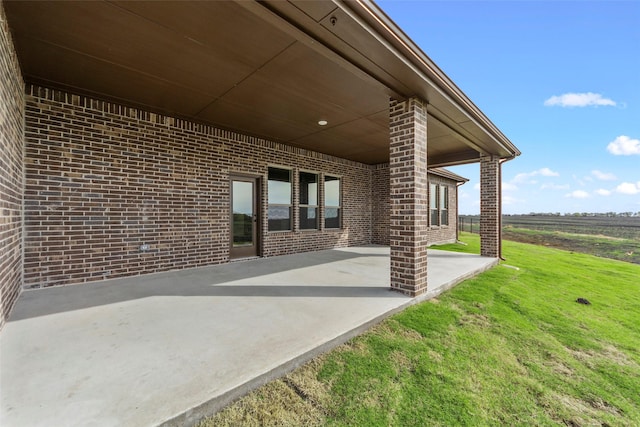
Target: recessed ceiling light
{"x":322,"y":122}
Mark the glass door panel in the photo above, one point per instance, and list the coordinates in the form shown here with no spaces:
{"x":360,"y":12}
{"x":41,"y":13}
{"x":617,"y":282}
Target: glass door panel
{"x":244,"y":218}
{"x":242,"y":213}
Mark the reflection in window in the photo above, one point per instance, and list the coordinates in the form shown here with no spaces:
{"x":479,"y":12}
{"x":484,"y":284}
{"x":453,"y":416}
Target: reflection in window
{"x":308,"y":201}
{"x":242,"y":213}
{"x":332,"y":199}
{"x":279,"y":197}
{"x":444,"y":205}
{"x":433,"y":204}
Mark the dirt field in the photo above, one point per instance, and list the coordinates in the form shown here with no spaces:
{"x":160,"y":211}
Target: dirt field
{"x":607,"y":237}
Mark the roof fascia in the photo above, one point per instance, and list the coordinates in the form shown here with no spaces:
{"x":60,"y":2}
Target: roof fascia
{"x":380,"y":26}
{"x":448,"y":174}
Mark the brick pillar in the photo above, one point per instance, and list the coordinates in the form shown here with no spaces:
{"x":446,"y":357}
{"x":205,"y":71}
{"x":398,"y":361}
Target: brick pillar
{"x":408,"y":195}
{"x":490,"y":206}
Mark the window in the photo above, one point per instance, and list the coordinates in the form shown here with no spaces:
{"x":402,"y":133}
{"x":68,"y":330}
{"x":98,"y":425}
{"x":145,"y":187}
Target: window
{"x":332,"y":211}
{"x":433,"y":204}
{"x":444,"y":205}
{"x":308,"y":200}
{"x":279,"y":188}
{"x":439,"y":204}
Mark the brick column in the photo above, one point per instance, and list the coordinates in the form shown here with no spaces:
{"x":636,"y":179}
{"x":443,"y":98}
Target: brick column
{"x":408,"y":195}
{"x":490,"y":206}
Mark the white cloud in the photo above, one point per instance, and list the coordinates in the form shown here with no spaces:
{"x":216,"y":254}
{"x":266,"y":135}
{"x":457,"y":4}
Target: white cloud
{"x":524,"y":176}
{"x":603,"y":192}
{"x":628,"y":188}
{"x":624,"y":146}
{"x":547,"y":172}
{"x":577,"y":194}
{"x":555,"y":186}
{"x":476,"y":186}
{"x":507,"y":186}
{"x":603,"y":176}
{"x":579,"y":100}
{"x":509,"y":201}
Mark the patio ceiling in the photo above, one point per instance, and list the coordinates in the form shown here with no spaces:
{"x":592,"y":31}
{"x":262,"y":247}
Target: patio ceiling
{"x":270,"y":69}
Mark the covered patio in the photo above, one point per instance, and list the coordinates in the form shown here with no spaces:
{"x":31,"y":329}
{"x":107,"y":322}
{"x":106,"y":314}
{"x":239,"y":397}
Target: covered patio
{"x":171,"y":347}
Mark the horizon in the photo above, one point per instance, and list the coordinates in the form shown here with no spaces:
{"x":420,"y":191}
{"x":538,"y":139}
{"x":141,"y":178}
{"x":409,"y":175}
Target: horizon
{"x":585,"y":214}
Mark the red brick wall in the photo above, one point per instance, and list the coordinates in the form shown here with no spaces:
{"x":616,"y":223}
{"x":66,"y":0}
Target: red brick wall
{"x":380,"y":207}
{"x":102,"y":179}
{"x":11,"y":171}
{"x":380,"y":210}
{"x":408,"y":195}
{"x":489,"y":206}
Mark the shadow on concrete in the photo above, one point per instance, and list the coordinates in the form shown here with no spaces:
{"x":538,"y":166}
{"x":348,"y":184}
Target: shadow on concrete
{"x":264,"y":274}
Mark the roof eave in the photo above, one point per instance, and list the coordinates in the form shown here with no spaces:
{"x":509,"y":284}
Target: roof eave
{"x":429,"y":72}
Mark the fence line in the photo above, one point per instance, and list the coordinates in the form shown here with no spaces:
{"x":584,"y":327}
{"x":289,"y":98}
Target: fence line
{"x":469,"y":224}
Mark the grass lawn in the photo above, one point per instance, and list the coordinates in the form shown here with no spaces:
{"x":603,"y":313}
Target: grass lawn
{"x":509,"y":347}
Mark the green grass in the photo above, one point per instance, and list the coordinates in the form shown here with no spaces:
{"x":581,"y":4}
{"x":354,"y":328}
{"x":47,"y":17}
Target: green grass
{"x":509,"y":347}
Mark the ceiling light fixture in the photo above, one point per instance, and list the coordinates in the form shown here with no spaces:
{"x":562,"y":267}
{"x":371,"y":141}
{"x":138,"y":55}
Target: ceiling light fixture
{"x":322,"y":122}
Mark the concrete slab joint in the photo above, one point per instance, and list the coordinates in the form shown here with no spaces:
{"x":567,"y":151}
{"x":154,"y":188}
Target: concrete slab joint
{"x":408,"y":195}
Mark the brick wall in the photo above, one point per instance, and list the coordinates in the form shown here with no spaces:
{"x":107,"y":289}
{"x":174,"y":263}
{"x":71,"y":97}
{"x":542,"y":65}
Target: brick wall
{"x":11,"y":171}
{"x":408,"y":195}
{"x":381,"y":209}
{"x":489,"y":206}
{"x":380,"y":206}
{"x":103,"y":179}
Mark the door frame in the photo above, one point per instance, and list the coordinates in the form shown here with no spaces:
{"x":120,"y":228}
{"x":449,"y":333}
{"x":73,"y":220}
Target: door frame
{"x":256,"y":249}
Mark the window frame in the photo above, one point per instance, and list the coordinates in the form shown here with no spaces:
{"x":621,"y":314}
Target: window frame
{"x":326,"y":206}
{"x":289,"y":205}
{"x":443,"y":194}
{"x":308,"y":205}
{"x":434,"y":199}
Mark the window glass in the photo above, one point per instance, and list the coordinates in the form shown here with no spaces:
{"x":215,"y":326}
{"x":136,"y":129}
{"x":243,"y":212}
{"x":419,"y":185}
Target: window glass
{"x":332,"y":198}
{"x":331,"y":191}
{"x":279,"y":197}
{"x":433,"y":204}
{"x":279,"y":218}
{"x":308,"y":218}
{"x":332,"y":218}
{"x":444,"y":197}
{"x":242,"y":206}
{"x":279,"y":186}
{"x":308,"y":189}
{"x":444,"y":205}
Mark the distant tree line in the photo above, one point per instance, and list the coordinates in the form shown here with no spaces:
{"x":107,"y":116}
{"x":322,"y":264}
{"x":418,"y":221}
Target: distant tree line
{"x":583,"y":214}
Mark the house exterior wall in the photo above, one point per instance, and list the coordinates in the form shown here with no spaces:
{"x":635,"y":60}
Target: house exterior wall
{"x":11,"y":171}
{"x":381,"y":209}
{"x":380,"y":206}
{"x":439,"y":234}
{"x":102,"y":179}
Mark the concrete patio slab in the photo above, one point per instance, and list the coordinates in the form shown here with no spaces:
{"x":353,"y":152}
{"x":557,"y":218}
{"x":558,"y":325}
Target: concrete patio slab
{"x":169,"y":347}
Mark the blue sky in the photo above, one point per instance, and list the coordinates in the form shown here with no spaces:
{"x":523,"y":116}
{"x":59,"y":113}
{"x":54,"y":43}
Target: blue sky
{"x":561,"y":79}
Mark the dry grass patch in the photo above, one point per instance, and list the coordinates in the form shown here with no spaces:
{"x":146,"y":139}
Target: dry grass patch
{"x":297,"y":399}
{"x":609,"y":353}
{"x":474,"y":319}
